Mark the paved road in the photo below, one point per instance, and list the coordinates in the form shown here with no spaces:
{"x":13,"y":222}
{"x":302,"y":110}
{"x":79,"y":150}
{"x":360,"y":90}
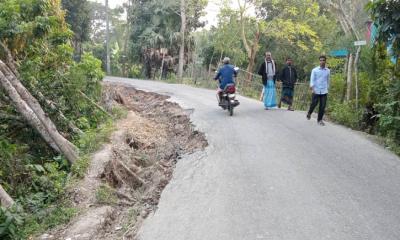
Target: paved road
{"x":274,"y":175}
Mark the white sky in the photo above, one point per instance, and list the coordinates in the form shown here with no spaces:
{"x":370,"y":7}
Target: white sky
{"x":211,"y":10}
{"x":111,"y":3}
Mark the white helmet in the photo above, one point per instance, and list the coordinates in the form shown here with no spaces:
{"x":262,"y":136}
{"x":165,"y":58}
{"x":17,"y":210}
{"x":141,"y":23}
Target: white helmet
{"x":226,"y":60}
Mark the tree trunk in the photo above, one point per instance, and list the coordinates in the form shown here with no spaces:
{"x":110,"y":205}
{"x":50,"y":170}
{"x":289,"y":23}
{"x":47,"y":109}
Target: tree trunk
{"x":194,"y":78}
{"x":182,"y":45}
{"x":346,"y":22}
{"x":72,"y":127}
{"x":162,"y":66}
{"x":108,"y":61}
{"x":35,"y":106}
{"x":343,"y":24}
{"x":349,"y":21}
{"x":356,"y":60}
{"x":250,"y":46}
{"x":220,"y":58}
{"x":209,"y":65}
{"x":9,"y":59}
{"x":77,"y":49}
{"x":5,"y":199}
{"x":346,"y":65}
{"x":13,"y":68}
{"x":253,"y":54}
{"x":127,"y":36}
{"x":26,"y":111}
{"x":349,"y":77}
{"x":31,"y":110}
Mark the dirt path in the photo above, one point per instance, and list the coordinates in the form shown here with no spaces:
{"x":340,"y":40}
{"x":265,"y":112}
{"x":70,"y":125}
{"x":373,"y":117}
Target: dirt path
{"x":126,"y":177}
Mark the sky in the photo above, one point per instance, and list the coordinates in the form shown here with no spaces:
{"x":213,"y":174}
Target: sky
{"x":212,"y":10}
{"x":111,"y":3}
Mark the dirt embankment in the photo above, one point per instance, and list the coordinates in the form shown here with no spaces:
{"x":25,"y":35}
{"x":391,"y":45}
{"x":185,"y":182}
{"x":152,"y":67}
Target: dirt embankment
{"x":127,"y":176}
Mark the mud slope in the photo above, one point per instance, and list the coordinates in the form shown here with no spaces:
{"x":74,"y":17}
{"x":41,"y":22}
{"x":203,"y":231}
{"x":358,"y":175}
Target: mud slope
{"x":126,"y":178}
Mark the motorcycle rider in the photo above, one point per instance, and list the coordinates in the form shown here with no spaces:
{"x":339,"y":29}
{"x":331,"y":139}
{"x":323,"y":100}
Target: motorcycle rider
{"x":225,"y":76}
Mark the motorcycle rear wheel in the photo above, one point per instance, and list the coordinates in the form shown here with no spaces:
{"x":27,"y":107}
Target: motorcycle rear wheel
{"x":230,"y":109}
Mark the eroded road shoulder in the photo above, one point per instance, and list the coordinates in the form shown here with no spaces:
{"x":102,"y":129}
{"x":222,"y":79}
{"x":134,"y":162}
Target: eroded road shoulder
{"x":126,"y":178}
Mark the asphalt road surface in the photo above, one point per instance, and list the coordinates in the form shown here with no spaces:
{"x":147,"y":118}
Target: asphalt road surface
{"x":274,"y":175}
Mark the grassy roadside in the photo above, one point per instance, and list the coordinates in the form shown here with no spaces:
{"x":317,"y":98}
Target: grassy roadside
{"x":51,"y":206}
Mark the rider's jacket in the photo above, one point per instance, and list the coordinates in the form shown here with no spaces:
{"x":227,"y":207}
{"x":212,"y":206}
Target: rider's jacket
{"x":225,"y":75}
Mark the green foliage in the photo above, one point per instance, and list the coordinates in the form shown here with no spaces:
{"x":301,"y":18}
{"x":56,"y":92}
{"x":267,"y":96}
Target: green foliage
{"x":51,"y":217}
{"x":15,"y":223}
{"x":345,"y":114}
{"x":389,"y":109}
{"x":92,"y":139}
{"x":155,"y":24}
{"x":38,"y":37}
{"x":386,"y":16}
{"x":43,"y":43}
{"x":84,"y":77}
{"x":78,"y":18}
{"x":385,"y":95}
{"x":10,"y":222}
{"x":288,"y":28}
{"x":119,"y":112}
{"x":37,"y":183}
{"x":118,"y":37}
{"x":88,"y":143}
{"x":80,"y":167}
{"x":135,"y":71}
{"x":106,"y":195}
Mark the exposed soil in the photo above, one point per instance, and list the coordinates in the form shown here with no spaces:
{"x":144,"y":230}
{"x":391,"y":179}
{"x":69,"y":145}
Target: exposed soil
{"x":125,"y":179}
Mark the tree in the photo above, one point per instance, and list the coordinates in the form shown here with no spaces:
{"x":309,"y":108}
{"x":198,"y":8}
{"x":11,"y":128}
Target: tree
{"x":44,"y":94}
{"x":156,"y":25}
{"x":182,"y":43}
{"x":25,"y":103}
{"x":5,"y":199}
{"x":118,"y":36}
{"x":351,"y":23}
{"x":108,"y":67}
{"x":385,"y":87}
{"x":387,"y":18}
{"x":78,"y":18}
{"x":251,"y":46}
{"x":32,"y":112}
{"x":288,"y":22}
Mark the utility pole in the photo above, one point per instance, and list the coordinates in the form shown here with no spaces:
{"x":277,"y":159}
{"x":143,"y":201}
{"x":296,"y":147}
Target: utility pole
{"x":356,"y":60}
{"x":107,"y":41}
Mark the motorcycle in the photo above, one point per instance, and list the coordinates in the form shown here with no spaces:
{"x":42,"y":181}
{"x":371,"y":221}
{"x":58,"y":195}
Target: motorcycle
{"x":226,"y":97}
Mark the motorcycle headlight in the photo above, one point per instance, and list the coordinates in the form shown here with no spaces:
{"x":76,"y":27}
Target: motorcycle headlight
{"x":231,"y":95}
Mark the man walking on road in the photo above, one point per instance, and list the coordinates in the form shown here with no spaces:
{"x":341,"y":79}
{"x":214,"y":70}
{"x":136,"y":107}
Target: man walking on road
{"x":319,"y":84}
{"x":268,"y":72}
{"x":288,"y":77}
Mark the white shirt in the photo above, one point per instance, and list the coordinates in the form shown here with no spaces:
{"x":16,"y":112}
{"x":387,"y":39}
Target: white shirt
{"x":319,"y":80}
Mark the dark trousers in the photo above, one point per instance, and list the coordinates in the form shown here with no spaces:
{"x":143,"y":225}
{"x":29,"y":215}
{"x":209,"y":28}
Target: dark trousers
{"x":321,"y":98}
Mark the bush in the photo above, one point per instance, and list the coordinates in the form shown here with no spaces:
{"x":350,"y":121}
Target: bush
{"x":345,"y":113}
{"x":135,"y":71}
{"x":10,"y":222}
